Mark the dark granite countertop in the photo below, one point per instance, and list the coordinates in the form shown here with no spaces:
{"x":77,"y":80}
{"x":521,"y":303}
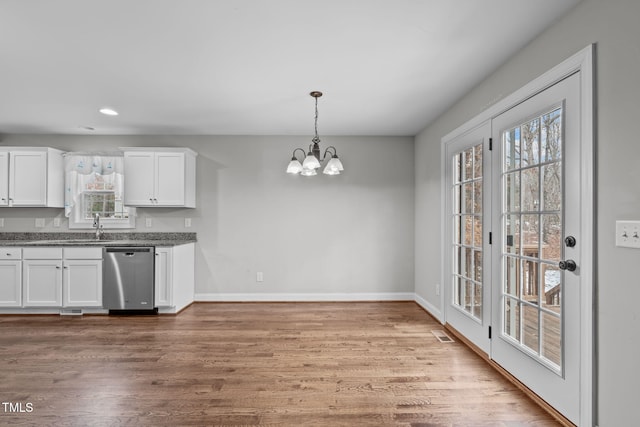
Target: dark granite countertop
{"x":89,"y":239}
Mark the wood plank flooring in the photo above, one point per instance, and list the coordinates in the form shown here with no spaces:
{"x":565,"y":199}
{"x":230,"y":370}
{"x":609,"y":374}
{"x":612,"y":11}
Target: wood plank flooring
{"x":291,"y":364}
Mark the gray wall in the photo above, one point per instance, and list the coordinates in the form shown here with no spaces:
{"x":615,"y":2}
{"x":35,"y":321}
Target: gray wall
{"x":351,"y":233}
{"x":613,"y":26}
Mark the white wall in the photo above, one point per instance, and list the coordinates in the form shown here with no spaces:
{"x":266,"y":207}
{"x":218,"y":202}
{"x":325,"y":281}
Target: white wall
{"x":351,"y":233}
{"x":613,"y":26}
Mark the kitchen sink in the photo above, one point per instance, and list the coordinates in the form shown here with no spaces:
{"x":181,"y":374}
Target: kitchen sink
{"x":74,"y":241}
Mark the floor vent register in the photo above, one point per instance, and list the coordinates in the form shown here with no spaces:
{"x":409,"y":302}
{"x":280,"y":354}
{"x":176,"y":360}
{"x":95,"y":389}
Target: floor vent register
{"x":442,"y":336}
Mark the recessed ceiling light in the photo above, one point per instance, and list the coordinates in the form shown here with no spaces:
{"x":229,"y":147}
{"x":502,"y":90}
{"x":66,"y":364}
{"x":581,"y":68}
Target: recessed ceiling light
{"x":108,"y":111}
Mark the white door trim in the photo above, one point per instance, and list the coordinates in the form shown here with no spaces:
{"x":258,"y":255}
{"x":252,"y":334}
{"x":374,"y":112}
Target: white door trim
{"x":581,"y":62}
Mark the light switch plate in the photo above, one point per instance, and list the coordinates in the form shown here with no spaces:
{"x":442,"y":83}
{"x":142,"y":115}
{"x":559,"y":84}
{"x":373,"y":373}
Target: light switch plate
{"x":56,"y":222}
{"x":628,"y":234}
{"x":187,"y":222}
{"x":1,"y":222}
{"x":39,"y":222}
{"x":149,"y":222}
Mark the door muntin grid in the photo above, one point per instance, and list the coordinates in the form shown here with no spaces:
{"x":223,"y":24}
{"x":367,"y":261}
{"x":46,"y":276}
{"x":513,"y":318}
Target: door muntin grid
{"x":532,"y":222}
{"x":467,"y":193}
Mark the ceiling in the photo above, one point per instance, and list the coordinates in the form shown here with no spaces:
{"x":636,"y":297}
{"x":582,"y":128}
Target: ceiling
{"x":246,"y":67}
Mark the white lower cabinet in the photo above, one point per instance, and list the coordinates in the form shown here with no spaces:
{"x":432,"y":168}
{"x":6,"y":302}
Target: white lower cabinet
{"x":42,"y":282}
{"x":10,"y":283}
{"x":53,"y":277}
{"x":174,"y":277}
{"x":82,"y":283}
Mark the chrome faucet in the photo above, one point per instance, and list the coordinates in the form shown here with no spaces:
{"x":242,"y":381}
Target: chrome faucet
{"x":99,"y":228}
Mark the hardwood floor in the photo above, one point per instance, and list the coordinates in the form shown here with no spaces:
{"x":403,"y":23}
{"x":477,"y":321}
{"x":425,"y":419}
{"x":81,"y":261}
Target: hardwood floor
{"x":297,"y":364}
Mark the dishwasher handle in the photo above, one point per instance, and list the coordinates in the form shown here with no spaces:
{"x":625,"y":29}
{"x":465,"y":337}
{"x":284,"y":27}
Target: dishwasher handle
{"x":128,"y":251}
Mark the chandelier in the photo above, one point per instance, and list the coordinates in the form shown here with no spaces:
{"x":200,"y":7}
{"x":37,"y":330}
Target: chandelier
{"x":312,"y":160}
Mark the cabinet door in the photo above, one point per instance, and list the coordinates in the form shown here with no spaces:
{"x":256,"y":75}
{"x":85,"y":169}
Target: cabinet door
{"x":82,"y":283}
{"x":169,"y":179}
{"x":10,"y":283}
{"x":28,"y":178}
{"x":163,"y":279}
{"x":4,"y":178}
{"x":42,"y":283}
{"x":139,"y":178}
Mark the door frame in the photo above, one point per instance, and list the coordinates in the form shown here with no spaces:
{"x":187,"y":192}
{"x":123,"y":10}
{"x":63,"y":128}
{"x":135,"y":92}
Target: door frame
{"x":582,"y":62}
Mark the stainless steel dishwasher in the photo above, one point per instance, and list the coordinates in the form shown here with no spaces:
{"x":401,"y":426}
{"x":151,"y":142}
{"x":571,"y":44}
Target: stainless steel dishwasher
{"x":128,"y":279}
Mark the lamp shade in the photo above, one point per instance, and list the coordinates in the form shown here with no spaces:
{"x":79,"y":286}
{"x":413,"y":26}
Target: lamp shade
{"x":310,"y":162}
{"x":335,"y":163}
{"x":308,"y":172}
{"x":330,"y":171}
{"x":294,"y":167}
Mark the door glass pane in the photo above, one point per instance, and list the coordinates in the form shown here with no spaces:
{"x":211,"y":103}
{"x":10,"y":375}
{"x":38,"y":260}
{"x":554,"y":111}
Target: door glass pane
{"x":552,"y":136}
{"x":467,"y":234}
{"x":552,"y":187}
{"x":551,"y":237}
{"x":512,"y":318}
{"x":467,"y":197}
{"x":551,"y":337}
{"x":552,"y":298}
{"x":512,"y":276}
{"x":512,"y":148}
{"x":533,"y":230}
{"x":512,"y":191}
{"x":512,"y":234}
{"x":530,"y":143}
{"x":530,"y":190}
{"x":468,"y":164}
{"x":477,"y":161}
{"x":477,"y":300}
{"x":530,"y":327}
{"x":530,"y":281}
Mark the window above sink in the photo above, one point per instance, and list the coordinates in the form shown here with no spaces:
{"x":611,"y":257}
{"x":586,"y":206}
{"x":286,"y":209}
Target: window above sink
{"x":94,"y":184}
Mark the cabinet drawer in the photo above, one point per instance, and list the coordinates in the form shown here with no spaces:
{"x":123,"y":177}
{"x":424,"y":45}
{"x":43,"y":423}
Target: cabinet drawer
{"x":10,"y":253}
{"x":42,"y":253}
{"x":83,"y":253}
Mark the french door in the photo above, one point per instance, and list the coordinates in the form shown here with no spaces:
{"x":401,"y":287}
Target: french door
{"x":467,"y":288}
{"x":536,"y":224}
{"x":513,"y":221}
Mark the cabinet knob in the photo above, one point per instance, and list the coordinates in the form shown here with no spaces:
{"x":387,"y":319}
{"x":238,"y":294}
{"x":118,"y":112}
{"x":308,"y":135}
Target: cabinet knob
{"x":57,"y":267}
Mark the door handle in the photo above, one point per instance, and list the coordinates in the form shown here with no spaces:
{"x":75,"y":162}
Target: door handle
{"x":567,"y":265}
{"x":570,"y":241}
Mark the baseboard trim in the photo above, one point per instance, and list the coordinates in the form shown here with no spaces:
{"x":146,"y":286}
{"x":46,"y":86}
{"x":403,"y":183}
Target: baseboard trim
{"x":305,"y":297}
{"x":428,"y":307}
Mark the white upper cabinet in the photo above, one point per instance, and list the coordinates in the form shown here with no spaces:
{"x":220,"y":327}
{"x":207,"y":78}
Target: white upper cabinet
{"x":162,"y":177}
{"x":31,"y":177}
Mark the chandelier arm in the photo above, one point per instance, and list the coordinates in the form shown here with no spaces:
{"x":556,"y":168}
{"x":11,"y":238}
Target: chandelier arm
{"x":333,"y":153}
{"x":293,"y":156}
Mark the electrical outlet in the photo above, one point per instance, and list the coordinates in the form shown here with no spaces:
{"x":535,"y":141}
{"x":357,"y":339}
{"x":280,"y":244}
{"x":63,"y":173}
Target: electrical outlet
{"x":39,"y":222}
{"x":56,"y":222}
{"x":259,"y":277}
{"x":628,"y":234}
{"x":437,"y":288}
{"x":187,"y":222}
{"x":149,"y":222}
{"x":1,"y":222}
